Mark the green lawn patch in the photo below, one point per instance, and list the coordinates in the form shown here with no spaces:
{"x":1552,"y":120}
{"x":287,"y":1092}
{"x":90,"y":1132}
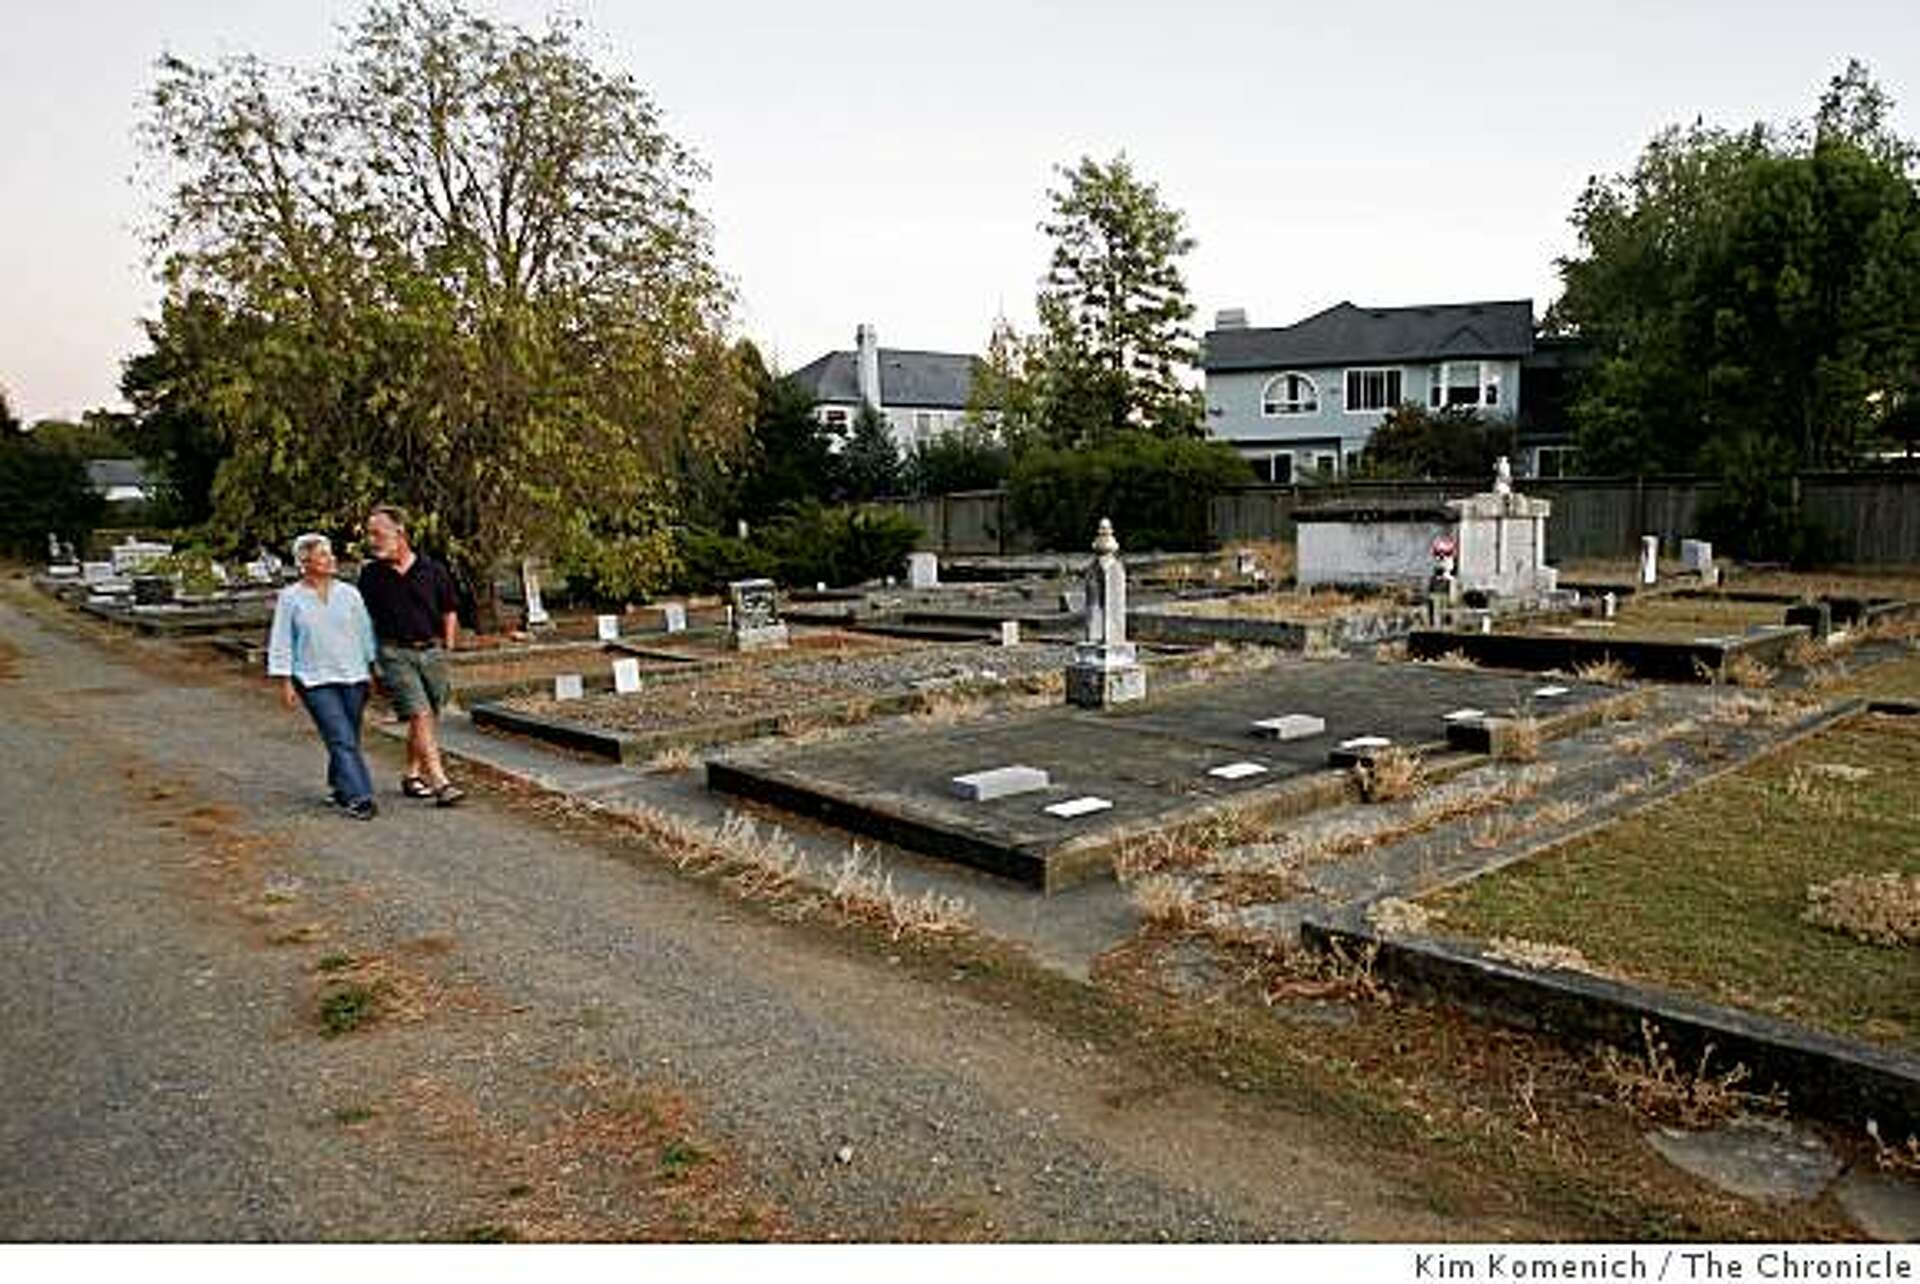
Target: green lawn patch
{"x":1706,"y":892}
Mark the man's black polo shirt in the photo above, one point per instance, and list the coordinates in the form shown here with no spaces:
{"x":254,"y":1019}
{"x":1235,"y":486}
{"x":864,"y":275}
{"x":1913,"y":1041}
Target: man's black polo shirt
{"x":408,"y":608}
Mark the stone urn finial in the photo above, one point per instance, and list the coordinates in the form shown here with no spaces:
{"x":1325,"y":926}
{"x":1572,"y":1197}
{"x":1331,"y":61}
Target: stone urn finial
{"x":1502,"y":476}
{"x":1103,"y":541}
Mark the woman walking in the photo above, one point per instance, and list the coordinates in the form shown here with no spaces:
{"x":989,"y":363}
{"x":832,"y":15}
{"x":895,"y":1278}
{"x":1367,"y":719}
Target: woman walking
{"x":321,"y":648}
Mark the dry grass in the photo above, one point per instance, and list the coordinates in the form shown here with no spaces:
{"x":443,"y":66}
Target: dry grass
{"x":1746,"y":672}
{"x":1166,"y":901}
{"x":862,"y":890}
{"x":1881,"y":909}
{"x":1903,"y":1159}
{"x":1638,"y":742}
{"x":1608,"y":672}
{"x":1654,"y":1086}
{"x":1390,"y":775}
{"x":1391,"y":916}
{"x":1452,"y":660}
{"x":352,"y":993}
{"x":1537,"y":955}
{"x":1184,"y":846}
{"x":1521,"y":740}
{"x":945,"y":709}
{"x":678,"y":758}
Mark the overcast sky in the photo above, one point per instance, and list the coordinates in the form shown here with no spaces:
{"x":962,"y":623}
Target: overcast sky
{"x":889,"y":162}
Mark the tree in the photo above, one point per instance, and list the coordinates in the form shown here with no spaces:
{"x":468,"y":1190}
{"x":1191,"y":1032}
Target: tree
{"x":1760,"y":282}
{"x":9,"y":422}
{"x":970,"y":459}
{"x":43,"y":490}
{"x":173,"y":425}
{"x":1114,"y":312}
{"x":460,"y":268}
{"x":870,"y":461}
{"x":1414,"y":442}
{"x":790,"y":454}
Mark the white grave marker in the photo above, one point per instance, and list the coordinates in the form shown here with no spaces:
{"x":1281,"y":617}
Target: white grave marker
{"x":1000,"y":782}
{"x":1009,"y":633}
{"x":1649,"y":559}
{"x":626,"y":675}
{"x":673,"y":615}
{"x":1078,"y":807}
{"x":1237,"y":770}
{"x":1547,"y":693}
{"x":607,"y":627}
{"x":1464,"y":715}
{"x":1290,"y":726}
{"x":568,"y":686}
{"x":1366,"y":742}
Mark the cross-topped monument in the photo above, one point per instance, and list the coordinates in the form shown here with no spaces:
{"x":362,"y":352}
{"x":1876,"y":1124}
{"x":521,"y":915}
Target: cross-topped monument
{"x":1104,"y":669}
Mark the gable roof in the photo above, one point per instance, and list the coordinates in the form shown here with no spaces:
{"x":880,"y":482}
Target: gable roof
{"x":1349,"y":335}
{"x":103,"y":474}
{"x":941,"y":380}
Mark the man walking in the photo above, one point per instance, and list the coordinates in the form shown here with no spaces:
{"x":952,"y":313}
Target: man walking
{"x":415,"y":620}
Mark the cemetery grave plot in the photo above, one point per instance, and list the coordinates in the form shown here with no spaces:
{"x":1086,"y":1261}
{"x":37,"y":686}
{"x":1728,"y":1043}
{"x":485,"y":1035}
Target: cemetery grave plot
{"x":824,"y":679}
{"x":1182,"y":755}
{"x":1789,"y":888}
{"x":1670,"y":618}
{"x":507,"y":671}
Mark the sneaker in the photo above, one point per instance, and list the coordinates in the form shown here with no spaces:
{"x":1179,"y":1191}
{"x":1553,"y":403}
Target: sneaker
{"x":361,"y":809}
{"x":448,"y":794}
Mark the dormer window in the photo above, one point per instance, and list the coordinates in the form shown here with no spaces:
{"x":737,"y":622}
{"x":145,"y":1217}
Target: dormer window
{"x":1291,"y":393}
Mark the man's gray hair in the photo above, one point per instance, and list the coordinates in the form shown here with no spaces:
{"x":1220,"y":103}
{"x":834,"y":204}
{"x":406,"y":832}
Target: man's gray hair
{"x":307,"y":543}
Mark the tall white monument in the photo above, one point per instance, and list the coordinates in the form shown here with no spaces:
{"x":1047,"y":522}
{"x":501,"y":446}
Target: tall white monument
{"x":1104,"y":669}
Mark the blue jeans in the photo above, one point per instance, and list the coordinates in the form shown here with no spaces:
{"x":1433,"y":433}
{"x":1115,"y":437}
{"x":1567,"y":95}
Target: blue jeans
{"x":336,"y":708}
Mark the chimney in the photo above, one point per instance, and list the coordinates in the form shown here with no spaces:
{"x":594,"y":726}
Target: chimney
{"x":1230,"y":319}
{"x":867,"y":340}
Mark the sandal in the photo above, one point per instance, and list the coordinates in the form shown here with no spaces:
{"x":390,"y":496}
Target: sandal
{"x":415,"y":787}
{"x":448,"y":794}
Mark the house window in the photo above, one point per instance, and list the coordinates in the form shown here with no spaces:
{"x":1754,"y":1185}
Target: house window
{"x":1554,"y":461}
{"x":925,"y":422}
{"x":1463,"y":383}
{"x":1328,"y":466}
{"x":834,"y":417}
{"x":1277,"y":469}
{"x":1372,"y":390}
{"x":1353,"y":462}
{"x":1289,"y":394}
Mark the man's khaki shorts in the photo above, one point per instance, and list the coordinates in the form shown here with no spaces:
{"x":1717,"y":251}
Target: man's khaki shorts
{"x":416,"y":681}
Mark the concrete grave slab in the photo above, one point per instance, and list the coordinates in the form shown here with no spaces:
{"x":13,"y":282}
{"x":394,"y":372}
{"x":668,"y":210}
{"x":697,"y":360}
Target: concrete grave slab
{"x":999,"y":782}
{"x":1290,"y":726}
{"x":1886,"y":1208}
{"x":1766,"y":1159}
{"x":1151,"y":759}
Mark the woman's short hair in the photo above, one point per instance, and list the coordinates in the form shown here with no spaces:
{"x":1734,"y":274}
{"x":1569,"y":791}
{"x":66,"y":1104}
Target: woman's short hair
{"x":305,"y":544}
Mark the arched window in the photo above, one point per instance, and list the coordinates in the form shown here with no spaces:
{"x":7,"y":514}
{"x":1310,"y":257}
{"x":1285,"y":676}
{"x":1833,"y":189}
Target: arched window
{"x":1291,"y":393}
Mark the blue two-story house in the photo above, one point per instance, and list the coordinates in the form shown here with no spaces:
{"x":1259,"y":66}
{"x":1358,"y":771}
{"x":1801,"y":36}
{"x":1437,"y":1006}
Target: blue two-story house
{"x":1300,"y":401}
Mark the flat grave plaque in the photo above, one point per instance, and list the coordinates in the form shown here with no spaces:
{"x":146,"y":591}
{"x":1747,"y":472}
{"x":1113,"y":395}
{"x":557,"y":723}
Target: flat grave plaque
{"x":568,"y":686}
{"x":1290,"y":726}
{"x":1237,"y":770}
{"x":1547,"y":693}
{"x":999,"y":782}
{"x":1074,"y":807}
{"x":626,"y":676}
{"x":1366,"y":742}
{"x":1464,"y":715}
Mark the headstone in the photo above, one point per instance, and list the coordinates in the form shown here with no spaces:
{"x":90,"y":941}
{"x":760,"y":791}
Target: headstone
{"x":923,"y":570}
{"x":265,"y":569}
{"x":606,"y":627}
{"x":1244,"y":562}
{"x":626,"y":675}
{"x":673,"y":616}
{"x":568,"y":686}
{"x":1237,"y":770}
{"x":1290,"y":726}
{"x":1104,"y":669}
{"x":96,"y":572}
{"x":1502,"y":476}
{"x":756,"y":616}
{"x":1078,"y":807}
{"x":1609,"y":605}
{"x":152,"y":590}
{"x":1009,"y":633}
{"x":1073,"y":601}
{"x":999,"y":782}
{"x":1697,"y":556}
{"x":1649,"y":559}
{"x":537,"y":617}
{"x":1815,"y":617}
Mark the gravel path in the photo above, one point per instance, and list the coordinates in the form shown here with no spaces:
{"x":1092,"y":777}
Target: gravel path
{"x":175,"y":890}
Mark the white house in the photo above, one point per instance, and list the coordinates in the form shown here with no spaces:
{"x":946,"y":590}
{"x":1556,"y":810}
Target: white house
{"x":921,"y":394}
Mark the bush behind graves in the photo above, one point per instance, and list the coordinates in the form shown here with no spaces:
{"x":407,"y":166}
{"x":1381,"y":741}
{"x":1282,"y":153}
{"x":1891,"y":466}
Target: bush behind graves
{"x":1158,"y":492}
{"x":811,"y":544}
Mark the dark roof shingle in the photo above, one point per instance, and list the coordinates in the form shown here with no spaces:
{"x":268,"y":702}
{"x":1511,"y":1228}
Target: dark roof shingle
{"x":1348,"y":335}
{"x":907,"y":378}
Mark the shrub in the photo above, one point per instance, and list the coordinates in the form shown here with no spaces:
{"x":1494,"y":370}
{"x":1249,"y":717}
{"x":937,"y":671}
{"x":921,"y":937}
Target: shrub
{"x":1753,"y":513}
{"x":966,"y":460}
{"x":809,"y":545}
{"x":1159,"y":492}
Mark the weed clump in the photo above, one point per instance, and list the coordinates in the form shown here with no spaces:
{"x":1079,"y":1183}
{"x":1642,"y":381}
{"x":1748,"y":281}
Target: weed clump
{"x":1880,"y":909}
{"x":1390,"y":775}
{"x":1654,"y":1086}
{"x":346,"y":1007}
